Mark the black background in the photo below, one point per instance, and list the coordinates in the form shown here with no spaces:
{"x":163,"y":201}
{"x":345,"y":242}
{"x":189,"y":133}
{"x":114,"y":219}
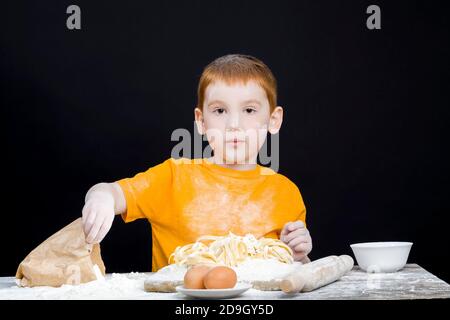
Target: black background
{"x":365,"y":133}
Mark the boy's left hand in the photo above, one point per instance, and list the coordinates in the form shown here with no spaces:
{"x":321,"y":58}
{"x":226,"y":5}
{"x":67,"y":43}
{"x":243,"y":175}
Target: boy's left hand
{"x":297,"y":237}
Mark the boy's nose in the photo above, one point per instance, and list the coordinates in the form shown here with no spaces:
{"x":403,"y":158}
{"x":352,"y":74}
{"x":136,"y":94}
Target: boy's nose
{"x":233,"y":121}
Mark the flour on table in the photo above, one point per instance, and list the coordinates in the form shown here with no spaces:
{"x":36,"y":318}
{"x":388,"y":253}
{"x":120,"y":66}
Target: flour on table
{"x":131,"y":285}
{"x":264,"y":269}
{"x":248,"y":271}
{"x":114,"y":286}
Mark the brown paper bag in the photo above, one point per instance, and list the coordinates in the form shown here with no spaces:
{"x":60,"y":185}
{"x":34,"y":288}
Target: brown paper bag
{"x":64,"y":258}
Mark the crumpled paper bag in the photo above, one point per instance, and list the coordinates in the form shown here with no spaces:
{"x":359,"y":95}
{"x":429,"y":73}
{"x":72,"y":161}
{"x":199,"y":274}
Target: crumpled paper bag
{"x":64,"y":258}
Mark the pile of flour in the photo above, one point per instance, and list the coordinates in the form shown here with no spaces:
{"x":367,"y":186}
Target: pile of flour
{"x":131,"y":285}
{"x":264,"y":269}
{"x":248,"y":271}
{"x":114,"y":286}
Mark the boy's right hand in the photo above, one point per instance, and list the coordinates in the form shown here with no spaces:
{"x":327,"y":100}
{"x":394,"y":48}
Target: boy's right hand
{"x":98,"y":216}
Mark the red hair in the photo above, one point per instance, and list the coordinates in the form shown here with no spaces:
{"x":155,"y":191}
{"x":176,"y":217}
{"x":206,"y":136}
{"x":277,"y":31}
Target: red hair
{"x":238,"y":68}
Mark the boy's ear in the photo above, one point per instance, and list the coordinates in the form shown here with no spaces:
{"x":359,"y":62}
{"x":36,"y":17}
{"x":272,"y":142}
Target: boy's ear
{"x":276,"y":119}
{"x":198,"y":115}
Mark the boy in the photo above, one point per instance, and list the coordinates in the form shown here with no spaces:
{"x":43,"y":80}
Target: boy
{"x":184,"y":199}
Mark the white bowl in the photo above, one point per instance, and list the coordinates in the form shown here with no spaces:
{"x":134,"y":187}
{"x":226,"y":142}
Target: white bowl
{"x":383,"y":257}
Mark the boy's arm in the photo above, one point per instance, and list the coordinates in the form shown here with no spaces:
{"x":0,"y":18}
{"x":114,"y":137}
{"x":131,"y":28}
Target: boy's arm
{"x":112,"y":189}
{"x":102,"y":202}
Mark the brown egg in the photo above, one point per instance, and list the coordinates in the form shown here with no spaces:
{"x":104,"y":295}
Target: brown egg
{"x":193,"y":279}
{"x":220,"y":278}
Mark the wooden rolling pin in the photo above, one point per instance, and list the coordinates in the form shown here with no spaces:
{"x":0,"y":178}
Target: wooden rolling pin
{"x":316,"y":274}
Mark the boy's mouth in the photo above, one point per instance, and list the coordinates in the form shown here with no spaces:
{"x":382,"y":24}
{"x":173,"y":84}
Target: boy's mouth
{"x":234,"y":141}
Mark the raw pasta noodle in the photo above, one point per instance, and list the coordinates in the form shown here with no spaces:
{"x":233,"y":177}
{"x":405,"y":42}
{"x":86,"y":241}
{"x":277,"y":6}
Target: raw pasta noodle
{"x":230,"y":250}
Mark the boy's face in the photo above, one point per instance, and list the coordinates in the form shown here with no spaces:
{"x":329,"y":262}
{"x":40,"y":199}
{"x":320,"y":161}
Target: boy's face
{"x":235,"y":119}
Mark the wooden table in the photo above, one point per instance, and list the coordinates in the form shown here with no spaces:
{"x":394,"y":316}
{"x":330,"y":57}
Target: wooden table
{"x":412,"y":282}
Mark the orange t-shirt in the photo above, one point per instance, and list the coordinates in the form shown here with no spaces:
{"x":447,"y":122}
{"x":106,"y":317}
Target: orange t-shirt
{"x":184,"y":199}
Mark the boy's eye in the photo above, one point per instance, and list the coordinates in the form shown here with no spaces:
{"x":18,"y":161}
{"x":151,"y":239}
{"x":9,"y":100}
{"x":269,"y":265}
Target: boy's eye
{"x":219,"y":110}
{"x":250,"y":110}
